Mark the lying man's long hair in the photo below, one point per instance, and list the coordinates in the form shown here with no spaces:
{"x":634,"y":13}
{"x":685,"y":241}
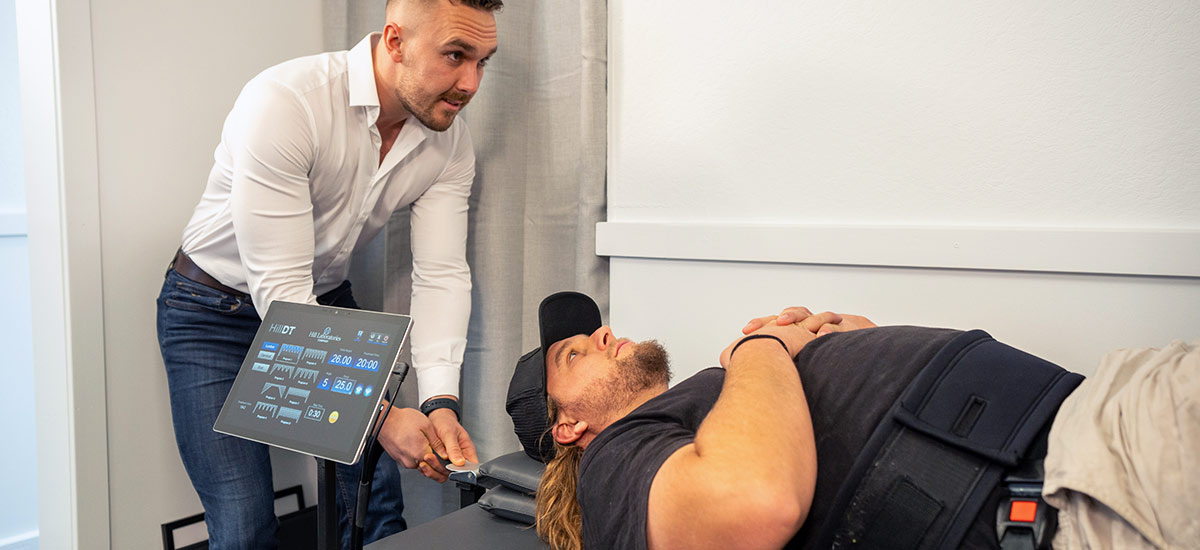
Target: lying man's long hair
{"x":559,"y":517}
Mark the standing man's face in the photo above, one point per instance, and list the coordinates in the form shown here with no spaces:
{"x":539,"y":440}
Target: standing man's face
{"x":442,"y":54}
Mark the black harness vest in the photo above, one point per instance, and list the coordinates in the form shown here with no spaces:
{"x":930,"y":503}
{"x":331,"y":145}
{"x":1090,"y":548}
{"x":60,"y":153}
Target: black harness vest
{"x":967,"y":433}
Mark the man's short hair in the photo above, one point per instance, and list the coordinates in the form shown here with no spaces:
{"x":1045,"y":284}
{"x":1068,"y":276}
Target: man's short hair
{"x":485,"y":5}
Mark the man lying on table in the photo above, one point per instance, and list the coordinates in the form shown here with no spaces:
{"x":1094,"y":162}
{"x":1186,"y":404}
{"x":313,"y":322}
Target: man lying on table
{"x":727,"y":458}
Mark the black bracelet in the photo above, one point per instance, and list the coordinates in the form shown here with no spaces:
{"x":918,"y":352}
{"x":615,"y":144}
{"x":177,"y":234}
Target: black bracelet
{"x":441,"y":403}
{"x":756,"y":337}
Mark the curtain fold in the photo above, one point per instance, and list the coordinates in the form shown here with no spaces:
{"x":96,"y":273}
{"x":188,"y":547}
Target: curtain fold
{"x":539,"y":124}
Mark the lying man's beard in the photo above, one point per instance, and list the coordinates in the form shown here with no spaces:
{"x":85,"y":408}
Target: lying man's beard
{"x":648,"y":367}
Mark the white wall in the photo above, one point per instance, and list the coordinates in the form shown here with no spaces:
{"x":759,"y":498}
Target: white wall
{"x":18,"y":464}
{"x":166,"y":74}
{"x":12,"y":188}
{"x":1031,"y":113}
{"x":756,"y":127}
{"x":163,"y":77}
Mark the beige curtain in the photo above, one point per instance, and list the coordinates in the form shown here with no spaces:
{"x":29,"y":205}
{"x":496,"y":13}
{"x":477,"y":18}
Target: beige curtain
{"x":538,"y":125}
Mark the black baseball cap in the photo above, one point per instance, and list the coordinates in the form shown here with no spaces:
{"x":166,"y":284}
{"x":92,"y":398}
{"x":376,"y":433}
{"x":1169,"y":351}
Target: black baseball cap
{"x":560,"y":316}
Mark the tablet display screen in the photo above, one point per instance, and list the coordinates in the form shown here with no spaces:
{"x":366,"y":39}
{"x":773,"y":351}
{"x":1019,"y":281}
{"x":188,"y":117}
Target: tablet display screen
{"x":314,"y":378}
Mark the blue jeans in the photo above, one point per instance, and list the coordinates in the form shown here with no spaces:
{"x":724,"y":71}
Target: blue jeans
{"x":204,"y":334}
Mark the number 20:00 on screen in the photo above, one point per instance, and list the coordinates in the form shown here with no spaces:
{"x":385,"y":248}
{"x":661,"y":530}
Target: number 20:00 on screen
{"x":346,"y":360}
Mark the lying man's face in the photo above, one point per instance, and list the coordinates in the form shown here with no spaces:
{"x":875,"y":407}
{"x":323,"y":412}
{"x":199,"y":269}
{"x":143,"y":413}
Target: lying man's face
{"x":591,"y":379}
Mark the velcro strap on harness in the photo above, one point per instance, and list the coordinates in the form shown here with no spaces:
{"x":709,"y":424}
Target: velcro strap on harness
{"x":931,"y":464}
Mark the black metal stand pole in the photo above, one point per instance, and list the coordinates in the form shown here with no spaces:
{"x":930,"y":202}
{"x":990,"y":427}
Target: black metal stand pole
{"x":327,"y":518}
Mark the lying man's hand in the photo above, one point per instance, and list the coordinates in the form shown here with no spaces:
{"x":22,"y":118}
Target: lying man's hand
{"x":786,"y":317}
{"x":848,"y":323}
{"x":843,"y":322}
{"x":795,"y":326}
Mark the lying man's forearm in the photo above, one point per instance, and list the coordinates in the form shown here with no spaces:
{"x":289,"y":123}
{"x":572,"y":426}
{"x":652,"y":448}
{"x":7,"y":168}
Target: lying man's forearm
{"x":752,"y":469}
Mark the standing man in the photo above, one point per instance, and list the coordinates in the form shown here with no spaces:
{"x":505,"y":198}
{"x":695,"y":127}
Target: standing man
{"x":314,"y":157}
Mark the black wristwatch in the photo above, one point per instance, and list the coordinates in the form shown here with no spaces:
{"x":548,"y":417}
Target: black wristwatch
{"x":441,"y":403}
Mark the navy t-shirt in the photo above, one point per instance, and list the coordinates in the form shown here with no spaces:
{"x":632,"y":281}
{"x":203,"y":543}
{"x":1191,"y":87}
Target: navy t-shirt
{"x":850,"y":381}
{"x":619,"y":465}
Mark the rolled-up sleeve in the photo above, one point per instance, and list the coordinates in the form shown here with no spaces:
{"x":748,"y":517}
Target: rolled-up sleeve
{"x":271,"y":140}
{"x":441,"y":288}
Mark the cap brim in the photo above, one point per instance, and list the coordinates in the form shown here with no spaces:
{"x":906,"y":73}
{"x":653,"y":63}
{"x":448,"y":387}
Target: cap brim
{"x":566,"y":314}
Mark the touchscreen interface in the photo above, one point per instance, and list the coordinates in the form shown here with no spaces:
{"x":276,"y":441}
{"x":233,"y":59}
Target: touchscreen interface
{"x":313,"y":379}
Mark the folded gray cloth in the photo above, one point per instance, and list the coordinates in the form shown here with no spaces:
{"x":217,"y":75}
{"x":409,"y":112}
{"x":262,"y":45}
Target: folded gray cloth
{"x":511,"y":481}
{"x":514,"y":470}
{"x":509,"y":504}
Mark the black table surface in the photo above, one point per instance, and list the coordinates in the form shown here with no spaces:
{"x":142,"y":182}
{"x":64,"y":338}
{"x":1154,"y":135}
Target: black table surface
{"x":467,"y":529}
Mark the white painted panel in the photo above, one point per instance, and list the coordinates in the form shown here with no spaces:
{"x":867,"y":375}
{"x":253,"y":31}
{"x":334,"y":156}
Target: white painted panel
{"x":696,"y":308}
{"x":1129,"y":252}
{"x":24,"y":541}
{"x":1008,"y":113}
{"x":12,"y":173}
{"x":166,"y":74}
{"x":18,"y":465}
{"x":55,"y":500}
{"x":18,"y":462}
{"x":12,"y":224}
{"x":58,"y":114}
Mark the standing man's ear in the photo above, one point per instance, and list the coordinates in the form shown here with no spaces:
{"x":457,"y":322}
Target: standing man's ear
{"x":393,"y":42}
{"x":567,"y":433}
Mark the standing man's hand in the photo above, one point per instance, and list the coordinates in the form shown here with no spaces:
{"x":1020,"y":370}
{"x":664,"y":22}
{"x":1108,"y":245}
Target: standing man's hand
{"x":417,"y":442}
{"x":405,"y":436}
{"x":452,"y":443}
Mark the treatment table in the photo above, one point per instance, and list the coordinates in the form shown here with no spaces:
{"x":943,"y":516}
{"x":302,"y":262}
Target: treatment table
{"x":501,"y":520}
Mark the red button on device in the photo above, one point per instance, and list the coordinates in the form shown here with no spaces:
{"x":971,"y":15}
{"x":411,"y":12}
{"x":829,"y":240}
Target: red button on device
{"x":1023,"y":510}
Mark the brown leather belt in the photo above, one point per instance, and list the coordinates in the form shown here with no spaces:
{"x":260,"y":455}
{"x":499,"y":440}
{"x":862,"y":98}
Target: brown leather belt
{"x":183,"y":265}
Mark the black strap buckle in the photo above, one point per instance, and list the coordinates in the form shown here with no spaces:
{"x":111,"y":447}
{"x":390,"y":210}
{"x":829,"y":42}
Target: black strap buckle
{"x":1023,"y":520}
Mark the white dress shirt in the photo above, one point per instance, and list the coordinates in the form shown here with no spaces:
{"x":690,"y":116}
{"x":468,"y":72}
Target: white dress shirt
{"x":297,"y":187}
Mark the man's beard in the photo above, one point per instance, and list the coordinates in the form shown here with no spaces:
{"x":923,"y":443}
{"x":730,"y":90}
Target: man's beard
{"x":427,"y":115}
{"x":648,"y":367}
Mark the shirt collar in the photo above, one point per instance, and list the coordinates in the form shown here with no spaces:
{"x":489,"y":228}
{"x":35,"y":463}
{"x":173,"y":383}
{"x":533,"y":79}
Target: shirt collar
{"x":360,"y":69}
